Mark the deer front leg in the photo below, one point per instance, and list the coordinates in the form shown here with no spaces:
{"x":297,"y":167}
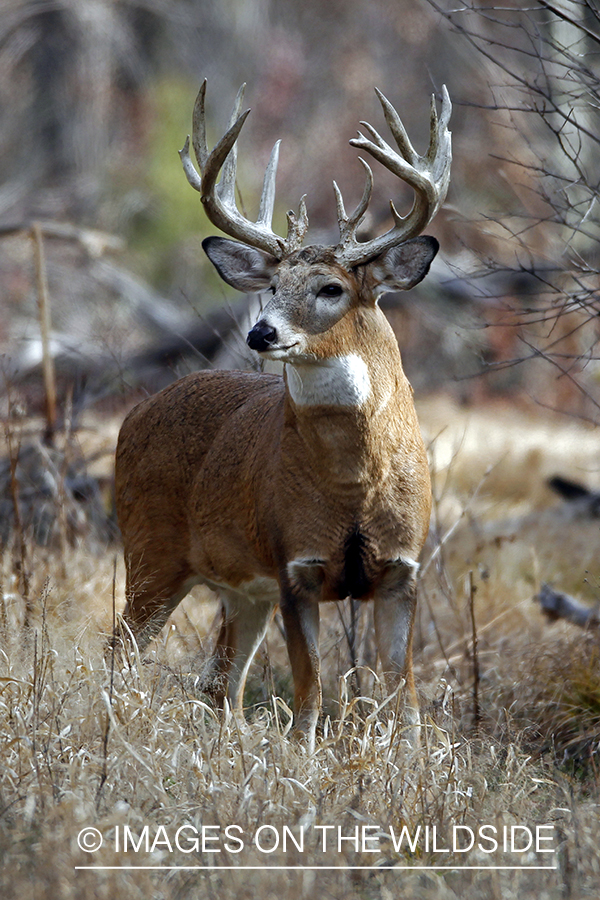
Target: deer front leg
{"x":301,"y":590}
{"x":394,"y":613}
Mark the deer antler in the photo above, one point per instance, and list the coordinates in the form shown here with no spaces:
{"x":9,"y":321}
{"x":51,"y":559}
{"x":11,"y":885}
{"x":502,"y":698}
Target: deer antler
{"x":428,"y":175}
{"x":219,"y":199}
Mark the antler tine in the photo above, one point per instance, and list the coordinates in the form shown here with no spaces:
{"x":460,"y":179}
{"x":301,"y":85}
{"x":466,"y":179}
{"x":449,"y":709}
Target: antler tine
{"x":199,"y":128}
{"x":297,"y":225}
{"x":219,"y":199}
{"x":267,"y":198}
{"x":210,"y":163}
{"x":394,"y":123}
{"x":226,"y":186}
{"x":349,"y":224}
{"x":428,"y":176}
{"x":188,"y":166}
{"x":339,"y":205}
{"x":439,"y":135}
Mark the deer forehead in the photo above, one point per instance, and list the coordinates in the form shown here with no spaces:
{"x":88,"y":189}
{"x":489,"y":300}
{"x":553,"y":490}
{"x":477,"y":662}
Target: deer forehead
{"x":305,"y":273}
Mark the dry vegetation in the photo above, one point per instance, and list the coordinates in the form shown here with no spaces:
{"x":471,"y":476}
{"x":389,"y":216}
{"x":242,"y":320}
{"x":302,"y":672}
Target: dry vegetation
{"x":509,"y":737}
{"x":99,"y":94}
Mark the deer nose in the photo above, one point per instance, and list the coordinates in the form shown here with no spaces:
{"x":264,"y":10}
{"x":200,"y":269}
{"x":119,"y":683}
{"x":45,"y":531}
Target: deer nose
{"x":261,"y":337}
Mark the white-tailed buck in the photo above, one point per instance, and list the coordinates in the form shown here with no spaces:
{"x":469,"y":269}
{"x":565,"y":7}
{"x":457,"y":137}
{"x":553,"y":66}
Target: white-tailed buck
{"x":298,"y":489}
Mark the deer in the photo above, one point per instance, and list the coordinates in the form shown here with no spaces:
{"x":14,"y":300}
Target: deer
{"x":295,"y":489}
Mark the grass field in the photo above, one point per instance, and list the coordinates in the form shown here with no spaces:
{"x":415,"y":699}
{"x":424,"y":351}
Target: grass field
{"x":505,"y":780}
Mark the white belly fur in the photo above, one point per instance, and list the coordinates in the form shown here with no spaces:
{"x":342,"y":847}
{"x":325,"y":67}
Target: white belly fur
{"x":258,"y":590}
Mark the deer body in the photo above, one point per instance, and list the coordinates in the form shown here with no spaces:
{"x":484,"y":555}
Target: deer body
{"x":286,"y":490}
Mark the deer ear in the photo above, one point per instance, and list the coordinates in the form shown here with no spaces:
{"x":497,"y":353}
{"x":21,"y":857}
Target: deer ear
{"x":403,"y":266}
{"x":244,"y":268}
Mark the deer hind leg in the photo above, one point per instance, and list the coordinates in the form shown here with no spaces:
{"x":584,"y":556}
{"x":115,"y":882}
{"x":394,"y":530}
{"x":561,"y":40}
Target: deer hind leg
{"x":394,"y":614}
{"x":243,"y":628}
{"x":152,"y":594}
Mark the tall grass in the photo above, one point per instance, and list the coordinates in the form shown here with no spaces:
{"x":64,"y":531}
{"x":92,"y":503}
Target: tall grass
{"x":138,"y":754}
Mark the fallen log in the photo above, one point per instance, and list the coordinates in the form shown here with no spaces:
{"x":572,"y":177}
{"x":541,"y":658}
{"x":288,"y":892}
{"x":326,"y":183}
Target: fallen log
{"x":557,"y":605}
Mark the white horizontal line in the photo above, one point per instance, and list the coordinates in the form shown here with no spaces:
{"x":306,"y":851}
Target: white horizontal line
{"x":311,"y":868}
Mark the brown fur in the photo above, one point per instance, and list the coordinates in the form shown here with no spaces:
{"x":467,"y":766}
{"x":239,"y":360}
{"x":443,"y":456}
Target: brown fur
{"x":223,"y":478}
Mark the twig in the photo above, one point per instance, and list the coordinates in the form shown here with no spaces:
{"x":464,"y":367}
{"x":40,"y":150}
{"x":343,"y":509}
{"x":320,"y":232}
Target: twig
{"x":476,"y":673}
{"x":44,"y":311}
{"x":104,"y":774}
{"x":21,"y":563}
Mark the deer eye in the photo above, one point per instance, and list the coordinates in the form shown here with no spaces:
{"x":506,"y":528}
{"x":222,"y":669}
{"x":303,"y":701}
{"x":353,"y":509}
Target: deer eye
{"x":330,"y":290}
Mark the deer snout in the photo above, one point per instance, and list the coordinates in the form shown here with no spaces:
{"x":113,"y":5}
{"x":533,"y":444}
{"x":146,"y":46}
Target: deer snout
{"x":261,"y":337}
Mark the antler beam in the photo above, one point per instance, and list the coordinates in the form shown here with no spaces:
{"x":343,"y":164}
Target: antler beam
{"x":428,"y":175}
{"x":218,"y":199}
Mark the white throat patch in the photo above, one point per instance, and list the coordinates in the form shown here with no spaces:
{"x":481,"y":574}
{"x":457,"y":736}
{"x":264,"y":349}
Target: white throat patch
{"x":340,"y":381}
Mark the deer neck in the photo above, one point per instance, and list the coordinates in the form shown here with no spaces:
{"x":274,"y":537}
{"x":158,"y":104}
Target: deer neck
{"x":339,"y":381}
{"x":355,"y":366}
{"x":348,"y":411}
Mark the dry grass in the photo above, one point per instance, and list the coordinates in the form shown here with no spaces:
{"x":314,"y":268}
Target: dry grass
{"x":139,"y":753}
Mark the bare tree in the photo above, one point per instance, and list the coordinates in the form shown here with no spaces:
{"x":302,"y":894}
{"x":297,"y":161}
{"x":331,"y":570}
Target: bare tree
{"x":541,"y":92}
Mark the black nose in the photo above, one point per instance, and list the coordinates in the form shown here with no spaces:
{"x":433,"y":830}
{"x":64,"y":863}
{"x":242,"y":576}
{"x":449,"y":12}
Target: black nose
{"x":261,"y":337}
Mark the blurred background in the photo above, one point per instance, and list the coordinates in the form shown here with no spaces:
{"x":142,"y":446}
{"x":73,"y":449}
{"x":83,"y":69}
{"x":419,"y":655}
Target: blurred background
{"x":98,"y":222}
